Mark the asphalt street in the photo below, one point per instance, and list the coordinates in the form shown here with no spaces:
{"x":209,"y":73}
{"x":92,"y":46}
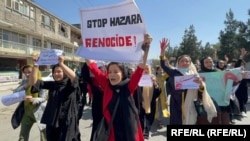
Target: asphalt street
{"x":9,"y":134}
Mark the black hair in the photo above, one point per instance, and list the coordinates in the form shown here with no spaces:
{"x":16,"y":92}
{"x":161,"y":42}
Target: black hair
{"x":156,"y":69}
{"x":202,"y":65}
{"x":53,"y":69}
{"x":121,"y":67}
{"x":25,"y":67}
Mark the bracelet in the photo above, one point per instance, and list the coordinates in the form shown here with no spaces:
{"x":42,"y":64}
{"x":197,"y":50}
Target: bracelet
{"x":162,"y":57}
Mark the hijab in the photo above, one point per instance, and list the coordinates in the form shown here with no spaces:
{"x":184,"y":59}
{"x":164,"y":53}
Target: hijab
{"x":203,"y":68}
{"x":189,"y":112}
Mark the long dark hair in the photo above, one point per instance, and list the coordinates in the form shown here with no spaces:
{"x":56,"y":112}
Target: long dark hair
{"x":121,"y":67}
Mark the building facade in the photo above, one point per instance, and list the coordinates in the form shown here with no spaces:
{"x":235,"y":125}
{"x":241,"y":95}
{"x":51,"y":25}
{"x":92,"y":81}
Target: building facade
{"x":26,"y":29}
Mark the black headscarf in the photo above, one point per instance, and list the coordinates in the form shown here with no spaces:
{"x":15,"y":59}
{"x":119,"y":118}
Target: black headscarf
{"x":203,"y":68}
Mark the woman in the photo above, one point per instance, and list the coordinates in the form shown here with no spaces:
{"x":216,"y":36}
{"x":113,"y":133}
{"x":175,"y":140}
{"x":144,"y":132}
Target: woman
{"x":223,"y":117}
{"x":182,"y":107}
{"x":61,"y":112}
{"x":126,"y":124}
{"x":161,"y":106}
{"x":148,"y":102}
{"x":34,"y":104}
{"x":97,"y":93}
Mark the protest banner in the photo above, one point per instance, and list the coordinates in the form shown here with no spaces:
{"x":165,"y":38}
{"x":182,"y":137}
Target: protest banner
{"x":112,"y":33}
{"x":49,"y":57}
{"x":220,"y":84}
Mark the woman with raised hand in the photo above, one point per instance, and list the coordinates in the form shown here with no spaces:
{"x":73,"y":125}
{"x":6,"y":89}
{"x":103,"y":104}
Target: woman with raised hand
{"x":182,"y":108}
{"x":33,"y":105}
{"x":61,"y":112}
{"x":148,"y":102}
{"x":126,"y":124}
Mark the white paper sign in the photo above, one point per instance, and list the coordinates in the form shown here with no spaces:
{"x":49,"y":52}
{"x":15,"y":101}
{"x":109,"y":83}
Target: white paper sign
{"x":146,"y":80}
{"x":10,"y":99}
{"x":112,"y":33}
{"x":49,"y":56}
{"x":185,"y":82}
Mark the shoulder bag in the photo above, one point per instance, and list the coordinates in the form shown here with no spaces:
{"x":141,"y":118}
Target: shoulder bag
{"x":102,"y":131}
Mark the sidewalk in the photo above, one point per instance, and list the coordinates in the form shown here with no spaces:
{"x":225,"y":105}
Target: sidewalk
{"x":10,"y":83}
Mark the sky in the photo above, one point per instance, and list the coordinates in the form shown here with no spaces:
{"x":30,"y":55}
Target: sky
{"x":164,"y":18}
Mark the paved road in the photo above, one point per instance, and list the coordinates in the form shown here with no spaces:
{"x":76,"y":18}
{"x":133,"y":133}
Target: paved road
{"x":9,"y":134}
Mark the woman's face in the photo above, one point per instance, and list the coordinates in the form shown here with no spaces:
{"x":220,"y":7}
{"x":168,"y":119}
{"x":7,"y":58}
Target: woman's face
{"x":221,"y":64}
{"x":27,"y":72}
{"x":58,"y":74}
{"x":184,"y":62}
{"x":159,"y":70}
{"x":146,"y":70}
{"x":114,"y":74}
{"x":208,"y":63}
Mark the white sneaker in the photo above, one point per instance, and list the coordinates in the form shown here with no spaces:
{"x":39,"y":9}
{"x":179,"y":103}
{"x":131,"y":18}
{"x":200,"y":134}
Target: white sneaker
{"x":243,"y":114}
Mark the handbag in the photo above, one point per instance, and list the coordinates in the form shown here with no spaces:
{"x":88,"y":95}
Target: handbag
{"x":102,"y":131}
{"x":199,"y":107}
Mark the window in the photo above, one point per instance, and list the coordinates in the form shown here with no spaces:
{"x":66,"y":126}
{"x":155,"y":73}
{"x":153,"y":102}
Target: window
{"x":26,"y":10}
{"x":75,"y":49}
{"x":36,"y":42}
{"x":45,"y":44}
{"x":1,"y":34}
{"x":32,"y":13}
{"x":8,"y":3}
{"x":62,"y":30}
{"x":47,"y":22}
{"x":6,"y":34}
{"x":22,"y":38}
{"x":55,"y":46}
{"x":21,"y":7}
{"x":68,"y":49}
{"x":14,"y":37}
{"x":16,"y":5}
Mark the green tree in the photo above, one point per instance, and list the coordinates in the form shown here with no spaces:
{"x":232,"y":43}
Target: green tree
{"x":206,"y":51}
{"x":228,"y":38}
{"x":190,"y":44}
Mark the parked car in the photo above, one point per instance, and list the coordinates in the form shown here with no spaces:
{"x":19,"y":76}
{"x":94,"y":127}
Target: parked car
{"x":47,"y":76}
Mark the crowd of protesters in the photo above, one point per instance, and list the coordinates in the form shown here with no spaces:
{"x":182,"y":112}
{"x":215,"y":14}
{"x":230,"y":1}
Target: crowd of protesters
{"x":138,"y":106}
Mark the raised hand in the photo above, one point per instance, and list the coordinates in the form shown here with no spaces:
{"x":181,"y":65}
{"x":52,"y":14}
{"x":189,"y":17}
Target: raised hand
{"x":35,"y":58}
{"x":164,"y":43}
{"x":243,"y":51}
{"x":60,"y":59}
{"x":146,"y":43}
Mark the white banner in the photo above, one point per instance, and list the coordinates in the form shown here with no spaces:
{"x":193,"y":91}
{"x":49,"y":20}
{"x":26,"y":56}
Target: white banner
{"x":10,"y":99}
{"x":49,"y":57}
{"x":112,"y":33}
